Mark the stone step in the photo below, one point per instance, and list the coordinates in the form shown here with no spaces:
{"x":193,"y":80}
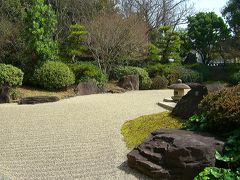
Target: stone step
{"x":167,"y":105}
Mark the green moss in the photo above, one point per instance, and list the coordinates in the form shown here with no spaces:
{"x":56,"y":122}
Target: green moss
{"x":137,"y":130}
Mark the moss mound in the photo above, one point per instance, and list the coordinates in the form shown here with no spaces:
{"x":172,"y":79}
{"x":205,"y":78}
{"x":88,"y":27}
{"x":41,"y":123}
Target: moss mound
{"x":137,"y":130}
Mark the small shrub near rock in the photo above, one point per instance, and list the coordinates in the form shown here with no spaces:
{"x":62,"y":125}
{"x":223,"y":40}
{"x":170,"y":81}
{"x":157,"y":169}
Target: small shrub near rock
{"x":53,"y":75}
{"x":145,"y":81}
{"x":222,"y":109}
{"x":235,"y":78}
{"x":86,"y":72}
{"x":160,"y":82}
{"x":10,"y":75}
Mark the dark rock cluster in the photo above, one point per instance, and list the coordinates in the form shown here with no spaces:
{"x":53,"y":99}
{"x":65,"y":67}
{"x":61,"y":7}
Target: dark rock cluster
{"x":188,"y":105}
{"x":171,"y":154}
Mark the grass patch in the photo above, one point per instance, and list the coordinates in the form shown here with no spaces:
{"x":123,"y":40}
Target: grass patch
{"x":137,"y":130}
{"x":24,"y":91}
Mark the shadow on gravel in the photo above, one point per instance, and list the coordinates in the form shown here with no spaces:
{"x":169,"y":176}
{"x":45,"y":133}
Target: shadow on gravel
{"x":124,"y":167}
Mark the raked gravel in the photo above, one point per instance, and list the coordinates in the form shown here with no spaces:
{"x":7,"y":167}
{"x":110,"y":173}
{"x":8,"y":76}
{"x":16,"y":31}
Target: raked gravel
{"x":76,"y":138}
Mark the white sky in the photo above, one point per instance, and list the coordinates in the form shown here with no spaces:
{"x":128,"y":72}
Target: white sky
{"x":209,"y":5}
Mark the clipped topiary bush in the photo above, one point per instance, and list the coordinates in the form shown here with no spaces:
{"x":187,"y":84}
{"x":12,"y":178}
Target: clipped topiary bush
{"x":222,"y":109}
{"x":53,"y":75}
{"x":145,"y":81}
{"x":10,"y":75}
{"x":159,"y":82}
{"x":85,"y":72}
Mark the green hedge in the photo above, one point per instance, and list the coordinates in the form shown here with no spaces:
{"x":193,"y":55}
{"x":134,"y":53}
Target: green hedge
{"x":53,"y":75}
{"x":10,"y":75}
{"x":173,"y":73}
{"x":145,"y":81}
{"x":85,"y":72}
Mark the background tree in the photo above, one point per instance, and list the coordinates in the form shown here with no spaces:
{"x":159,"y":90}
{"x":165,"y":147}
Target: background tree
{"x":231,"y":12}
{"x":11,"y":25}
{"x":158,"y":13}
{"x":168,"y":42}
{"x":40,"y":25}
{"x":206,"y":31}
{"x":114,"y":39}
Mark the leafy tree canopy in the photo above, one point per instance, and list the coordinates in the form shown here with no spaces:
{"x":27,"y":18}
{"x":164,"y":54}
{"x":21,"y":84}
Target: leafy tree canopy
{"x":206,"y":31}
{"x":232,"y":14}
{"x":40,"y":25}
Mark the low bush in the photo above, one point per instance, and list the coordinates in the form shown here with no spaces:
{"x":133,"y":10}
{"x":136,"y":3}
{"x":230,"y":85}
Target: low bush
{"x":53,"y":75}
{"x":10,"y":75}
{"x":196,"y":123}
{"x":231,"y":156}
{"x":15,"y":94}
{"x":222,"y":109}
{"x":235,"y":78}
{"x":145,"y":81}
{"x":173,"y":72}
{"x":159,"y":82}
{"x":85,"y":72}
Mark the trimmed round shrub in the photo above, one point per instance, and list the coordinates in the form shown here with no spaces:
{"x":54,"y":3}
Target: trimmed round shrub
{"x":85,"y":72}
{"x":10,"y":75}
{"x":222,"y":109}
{"x":235,"y":79}
{"x":159,"y":82}
{"x":145,"y":81}
{"x":53,"y":75}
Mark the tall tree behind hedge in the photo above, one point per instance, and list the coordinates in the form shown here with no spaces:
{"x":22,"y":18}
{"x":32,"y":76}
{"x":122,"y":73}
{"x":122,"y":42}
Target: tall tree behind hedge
{"x":40,"y":25}
{"x":11,"y":23}
{"x":206,"y":31}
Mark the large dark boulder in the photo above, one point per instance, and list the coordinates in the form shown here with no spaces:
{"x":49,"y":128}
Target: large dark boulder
{"x":130,"y":82}
{"x":188,"y":105}
{"x":171,"y":154}
{"x":87,"y":88}
{"x":38,"y":99}
{"x":4,"y":94}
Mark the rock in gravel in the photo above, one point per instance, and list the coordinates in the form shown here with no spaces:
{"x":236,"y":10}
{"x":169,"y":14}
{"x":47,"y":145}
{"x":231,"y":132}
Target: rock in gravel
{"x":171,"y":154}
{"x":188,"y":105}
{"x":4,"y":94}
{"x":130,"y":82}
{"x":87,"y":88}
{"x":38,"y":99}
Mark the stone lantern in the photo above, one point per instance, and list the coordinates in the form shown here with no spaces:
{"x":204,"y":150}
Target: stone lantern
{"x":178,"y":90}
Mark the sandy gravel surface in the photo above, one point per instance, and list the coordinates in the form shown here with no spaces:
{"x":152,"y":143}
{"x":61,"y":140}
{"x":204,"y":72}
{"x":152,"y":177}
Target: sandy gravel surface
{"x":77,"y":138}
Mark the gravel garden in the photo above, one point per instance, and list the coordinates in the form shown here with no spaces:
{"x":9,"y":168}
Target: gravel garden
{"x":118,"y":93}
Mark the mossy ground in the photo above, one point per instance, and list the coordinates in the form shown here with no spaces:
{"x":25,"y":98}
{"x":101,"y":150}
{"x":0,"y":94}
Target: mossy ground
{"x":137,"y":130}
{"x":30,"y":91}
